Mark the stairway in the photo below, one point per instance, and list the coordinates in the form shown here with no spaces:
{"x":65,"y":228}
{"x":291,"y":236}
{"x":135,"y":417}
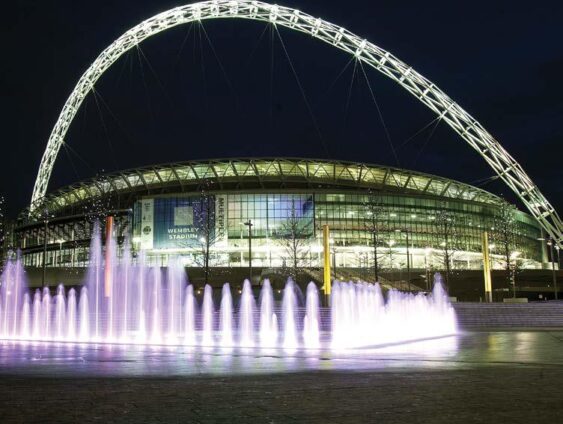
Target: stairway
{"x":503,"y":315}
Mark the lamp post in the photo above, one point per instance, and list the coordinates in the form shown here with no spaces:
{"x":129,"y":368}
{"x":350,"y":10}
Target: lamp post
{"x":427,"y":253}
{"x":390,"y":243}
{"x":550,"y":243}
{"x":333,"y":253}
{"x":557,"y":248}
{"x":514,"y":257}
{"x":269,"y":250}
{"x":249,"y":224}
{"x":375,"y":264}
{"x":45,"y":233}
{"x":60,"y":241}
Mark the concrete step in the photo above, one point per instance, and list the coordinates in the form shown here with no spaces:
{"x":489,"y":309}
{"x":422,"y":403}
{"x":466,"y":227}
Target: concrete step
{"x":548,"y":314}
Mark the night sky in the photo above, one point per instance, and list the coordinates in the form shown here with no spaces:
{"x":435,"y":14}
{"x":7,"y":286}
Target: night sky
{"x":226,"y":88}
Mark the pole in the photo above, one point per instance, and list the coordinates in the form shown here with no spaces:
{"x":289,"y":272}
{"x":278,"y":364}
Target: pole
{"x":249,"y":224}
{"x":408,"y":261}
{"x":207,"y":237}
{"x":558,"y":267}
{"x":426,"y":273}
{"x":375,"y":264}
{"x":326,"y":262}
{"x":46,"y":229}
{"x":553,"y":274}
{"x":334,"y":262}
{"x":108,"y":264}
{"x":487,"y":268}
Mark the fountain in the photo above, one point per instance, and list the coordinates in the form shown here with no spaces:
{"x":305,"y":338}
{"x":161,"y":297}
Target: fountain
{"x":246,"y":316}
{"x":268,"y":319}
{"x":190,"y":308}
{"x":226,"y":316}
{"x":60,"y":313}
{"x":289,"y":309}
{"x":207,"y":311}
{"x":311,"y":321}
{"x":71,"y":315}
{"x":126,"y":301}
{"x":84,"y":317}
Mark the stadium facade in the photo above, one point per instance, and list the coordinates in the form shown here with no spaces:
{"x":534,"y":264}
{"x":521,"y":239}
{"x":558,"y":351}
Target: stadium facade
{"x":175,"y":210}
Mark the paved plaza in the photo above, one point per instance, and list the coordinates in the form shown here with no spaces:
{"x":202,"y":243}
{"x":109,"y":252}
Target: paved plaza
{"x":488,"y":377}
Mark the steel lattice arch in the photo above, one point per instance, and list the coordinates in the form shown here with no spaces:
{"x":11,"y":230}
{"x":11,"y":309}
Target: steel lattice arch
{"x":504,"y":165}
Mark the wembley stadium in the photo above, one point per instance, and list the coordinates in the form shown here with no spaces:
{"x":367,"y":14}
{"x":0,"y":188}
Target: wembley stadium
{"x":172,"y":210}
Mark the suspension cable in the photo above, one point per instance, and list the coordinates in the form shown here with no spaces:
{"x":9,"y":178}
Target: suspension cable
{"x":303,"y":93}
{"x":350,"y":88}
{"x":104,"y":126}
{"x":387,"y":135}
{"x":427,"y":140}
{"x":229,"y":83}
{"x":71,"y":150}
{"x":147,"y":96}
{"x":421,"y":130}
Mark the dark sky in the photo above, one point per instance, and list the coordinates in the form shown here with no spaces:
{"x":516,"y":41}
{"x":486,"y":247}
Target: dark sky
{"x":226,"y":88}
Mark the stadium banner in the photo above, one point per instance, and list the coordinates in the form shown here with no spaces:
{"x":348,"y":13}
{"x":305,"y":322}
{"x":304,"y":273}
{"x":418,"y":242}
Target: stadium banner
{"x":182,"y":222}
{"x":220,"y":221}
{"x":147,"y":222}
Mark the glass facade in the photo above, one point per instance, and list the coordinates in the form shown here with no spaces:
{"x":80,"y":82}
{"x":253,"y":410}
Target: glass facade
{"x":268,"y":213}
{"x":373,"y":212}
{"x":348,"y":217}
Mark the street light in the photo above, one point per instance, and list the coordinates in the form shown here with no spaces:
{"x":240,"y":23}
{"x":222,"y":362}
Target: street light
{"x":554,"y":276}
{"x":45,"y":234}
{"x":269,"y":250}
{"x":333,"y":251}
{"x":60,"y":241}
{"x":427,"y":253}
{"x":514,"y":256}
{"x":390,"y":243}
{"x":249,"y":224}
{"x":550,"y":243}
{"x":558,"y":264}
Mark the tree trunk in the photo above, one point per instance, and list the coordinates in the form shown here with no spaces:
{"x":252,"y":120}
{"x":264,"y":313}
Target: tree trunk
{"x":375,"y":264}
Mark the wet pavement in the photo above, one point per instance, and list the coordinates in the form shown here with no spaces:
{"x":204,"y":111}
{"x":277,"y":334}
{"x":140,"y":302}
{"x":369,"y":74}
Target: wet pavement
{"x":474,"y":377}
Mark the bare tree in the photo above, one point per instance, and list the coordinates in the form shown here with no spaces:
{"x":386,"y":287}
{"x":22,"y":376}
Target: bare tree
{"x":293,"y":237}
{"x":447,"y":242}
{"x":373,"y":224}
{"x":505,"y":235}
{"x":3,"y":250}
{"x":390,"y":259}
{"x":98,"y":207}
{"x":208,"y":233}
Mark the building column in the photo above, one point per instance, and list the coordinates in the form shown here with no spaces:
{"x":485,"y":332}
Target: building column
{"x":326,"y":261}
{"x":487,"y":268}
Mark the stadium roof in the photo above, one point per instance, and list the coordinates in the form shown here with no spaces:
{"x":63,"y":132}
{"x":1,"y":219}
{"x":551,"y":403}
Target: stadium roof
{"x":263,"y":172}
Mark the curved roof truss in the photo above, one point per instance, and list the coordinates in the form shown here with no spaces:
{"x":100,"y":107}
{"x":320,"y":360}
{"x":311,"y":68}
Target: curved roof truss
{"x":265,"y":173}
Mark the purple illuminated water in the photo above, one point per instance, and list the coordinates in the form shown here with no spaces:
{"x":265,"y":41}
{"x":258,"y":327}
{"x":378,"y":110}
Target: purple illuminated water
{"x":268,"y":318}
{"x":126,"y":302}
{"x":246,"y":316}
